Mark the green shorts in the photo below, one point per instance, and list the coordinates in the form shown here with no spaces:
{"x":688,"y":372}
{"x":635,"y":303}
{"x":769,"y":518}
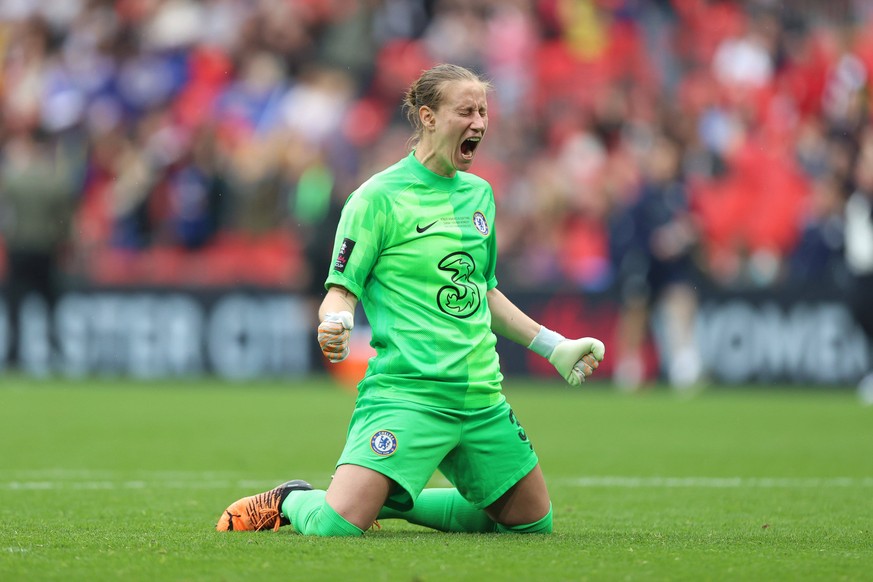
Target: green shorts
{"x":483,"y":452}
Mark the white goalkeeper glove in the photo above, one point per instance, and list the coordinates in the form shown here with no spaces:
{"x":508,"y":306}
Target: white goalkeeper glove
{"x":333,"y":335}
{"x":574,"y":359}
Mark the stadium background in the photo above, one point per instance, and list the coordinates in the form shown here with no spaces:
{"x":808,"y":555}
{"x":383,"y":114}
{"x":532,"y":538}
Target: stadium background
{"x":194,"y":157}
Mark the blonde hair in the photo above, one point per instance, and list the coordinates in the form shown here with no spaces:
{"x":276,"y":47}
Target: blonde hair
{"x":428,"y":90}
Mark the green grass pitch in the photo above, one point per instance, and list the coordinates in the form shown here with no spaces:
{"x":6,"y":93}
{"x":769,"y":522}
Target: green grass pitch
{"x":120,"y":480}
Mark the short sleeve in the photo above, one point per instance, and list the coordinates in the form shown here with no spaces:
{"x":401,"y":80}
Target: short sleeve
{"x":358,"y":241}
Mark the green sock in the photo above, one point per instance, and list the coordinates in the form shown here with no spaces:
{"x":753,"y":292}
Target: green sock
{"x":541,"y":526}
{"x":312,"y":516}
{"x":444,"y":510}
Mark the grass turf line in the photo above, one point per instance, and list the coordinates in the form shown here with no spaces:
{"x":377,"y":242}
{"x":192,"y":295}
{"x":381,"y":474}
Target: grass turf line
{"x":104,"y":480}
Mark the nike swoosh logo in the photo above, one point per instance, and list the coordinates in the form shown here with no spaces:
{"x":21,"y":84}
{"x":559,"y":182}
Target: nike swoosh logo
{"x":421,"y":229}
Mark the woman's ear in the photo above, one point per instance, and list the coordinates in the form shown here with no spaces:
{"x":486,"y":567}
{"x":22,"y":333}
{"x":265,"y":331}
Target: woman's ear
{"x":427,"y":117}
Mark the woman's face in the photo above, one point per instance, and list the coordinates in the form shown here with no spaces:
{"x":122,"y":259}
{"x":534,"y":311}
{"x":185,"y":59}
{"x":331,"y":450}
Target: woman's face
{"x":453,"y":131}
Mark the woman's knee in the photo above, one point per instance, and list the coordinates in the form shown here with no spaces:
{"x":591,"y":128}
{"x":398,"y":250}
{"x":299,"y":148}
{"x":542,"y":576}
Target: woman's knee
{"x":358,"y":494}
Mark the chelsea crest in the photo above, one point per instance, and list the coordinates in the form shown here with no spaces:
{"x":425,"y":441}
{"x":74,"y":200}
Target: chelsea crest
{"x":383,"y":443}
{"x":480,"y":223}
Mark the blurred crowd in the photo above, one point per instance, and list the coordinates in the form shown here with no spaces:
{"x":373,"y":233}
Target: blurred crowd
{"x":633,"y":145}
{"x":191,"y":126}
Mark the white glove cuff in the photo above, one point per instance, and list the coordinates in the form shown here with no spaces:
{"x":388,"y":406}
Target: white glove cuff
{"x":545,"y":341}
{"x":343,"y":317}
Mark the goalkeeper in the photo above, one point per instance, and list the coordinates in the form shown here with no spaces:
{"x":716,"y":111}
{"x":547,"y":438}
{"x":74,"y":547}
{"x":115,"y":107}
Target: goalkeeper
{"x":416,"y":245}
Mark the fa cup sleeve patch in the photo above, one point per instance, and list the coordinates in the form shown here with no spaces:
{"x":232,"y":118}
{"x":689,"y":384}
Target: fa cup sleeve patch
{"x":345,"y":252}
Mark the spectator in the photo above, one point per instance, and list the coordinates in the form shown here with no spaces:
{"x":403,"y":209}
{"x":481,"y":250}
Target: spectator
{"x":818,"y":255}
{"x":859,"y":252}
{"x":653,"y":241}
{"x":38,"y":183}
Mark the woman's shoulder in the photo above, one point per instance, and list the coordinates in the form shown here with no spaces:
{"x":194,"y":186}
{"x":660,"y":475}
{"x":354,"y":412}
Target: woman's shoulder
{"x":475,"y":181}
{"x":383,"y":183}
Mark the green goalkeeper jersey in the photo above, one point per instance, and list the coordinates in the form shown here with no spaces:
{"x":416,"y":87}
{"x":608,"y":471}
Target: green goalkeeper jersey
{"x":418,"y":249}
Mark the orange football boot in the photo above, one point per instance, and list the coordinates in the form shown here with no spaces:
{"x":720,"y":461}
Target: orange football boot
{"x":261,"y":511}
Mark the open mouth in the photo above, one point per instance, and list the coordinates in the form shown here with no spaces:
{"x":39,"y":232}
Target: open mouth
{"x":468,"y":147}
